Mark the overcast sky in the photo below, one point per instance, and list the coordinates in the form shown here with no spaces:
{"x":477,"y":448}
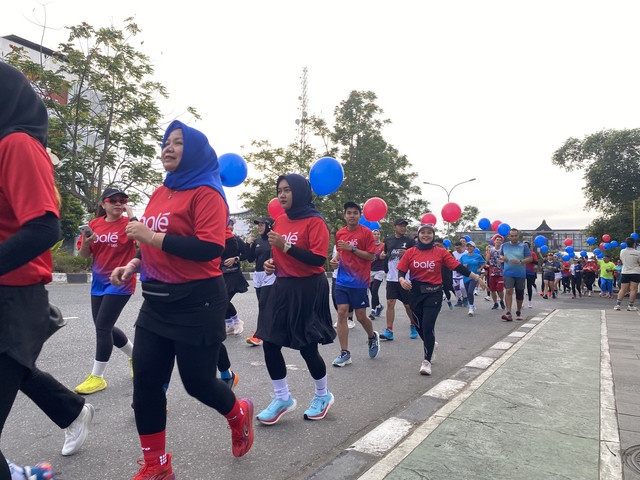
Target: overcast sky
{"x":473,"y":89}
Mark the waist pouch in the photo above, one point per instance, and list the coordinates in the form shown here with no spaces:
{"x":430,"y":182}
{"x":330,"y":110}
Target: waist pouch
{"x":56,"y":320}
{"x":427,"y":288}
{"x":159,"y":292}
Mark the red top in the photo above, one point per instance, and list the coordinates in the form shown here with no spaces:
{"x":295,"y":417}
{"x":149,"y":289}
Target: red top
{"x":309,"y":234}
{"x":426,"y":265}
{"x":353,"y":271}
{"x":199,"y":212}
{"x":26,"y":192}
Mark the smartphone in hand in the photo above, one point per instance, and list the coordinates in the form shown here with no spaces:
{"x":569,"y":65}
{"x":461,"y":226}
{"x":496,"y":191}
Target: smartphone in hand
{"x":86,"y":230}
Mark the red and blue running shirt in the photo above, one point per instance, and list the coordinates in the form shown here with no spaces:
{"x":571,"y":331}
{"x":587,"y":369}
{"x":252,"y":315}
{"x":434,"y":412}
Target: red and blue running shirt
{"x":353,"y":271}
{"x":112,"y":249}
{"x":26,"y":192}
{"x":426,"y":265}
{"x":199,"y":212}
{"x":309,"y":234}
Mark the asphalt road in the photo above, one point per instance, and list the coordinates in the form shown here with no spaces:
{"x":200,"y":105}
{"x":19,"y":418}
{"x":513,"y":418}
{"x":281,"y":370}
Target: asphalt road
{"x":366,"y":392}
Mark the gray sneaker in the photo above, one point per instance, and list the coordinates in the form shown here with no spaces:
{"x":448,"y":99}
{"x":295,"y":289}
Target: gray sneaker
{"x":76,"y":433}
{"x":631,"y":308}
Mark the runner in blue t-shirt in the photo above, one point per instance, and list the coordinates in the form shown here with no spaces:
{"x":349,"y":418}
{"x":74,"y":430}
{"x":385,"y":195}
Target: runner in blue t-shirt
{"x":515,"y":255}
{"x":474,"y":262}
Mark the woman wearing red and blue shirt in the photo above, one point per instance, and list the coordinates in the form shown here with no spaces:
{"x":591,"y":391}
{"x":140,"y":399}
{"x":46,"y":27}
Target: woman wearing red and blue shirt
{"x":110,"y":247}
{"x":423,"y":262}
{"x":181,"y":237}
{"x":297,"y":313}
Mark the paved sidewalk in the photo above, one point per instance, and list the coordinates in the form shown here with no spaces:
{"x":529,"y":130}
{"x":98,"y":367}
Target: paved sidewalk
{"x":546,"y":408}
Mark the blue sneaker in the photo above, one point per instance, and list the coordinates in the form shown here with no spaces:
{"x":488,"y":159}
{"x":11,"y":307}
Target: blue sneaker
{"x":450,"y":305}
{"x":276,"y":409}
{"x":379,"y":310}
{"x":374,"y":345}
{"x":343,"y":359}
{"x":413,"y":331}
{"x":41,"y":471}
{"x":458,"y":303}
{"x":495,"y":306}
{"x":386,"y":335}
{"x":319,"y":407}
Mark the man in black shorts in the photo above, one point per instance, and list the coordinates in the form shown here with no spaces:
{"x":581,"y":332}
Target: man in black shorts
{"x":395,"y":247}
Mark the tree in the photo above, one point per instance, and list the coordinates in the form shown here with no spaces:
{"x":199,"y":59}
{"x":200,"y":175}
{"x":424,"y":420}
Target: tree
{"x":108,"y":132}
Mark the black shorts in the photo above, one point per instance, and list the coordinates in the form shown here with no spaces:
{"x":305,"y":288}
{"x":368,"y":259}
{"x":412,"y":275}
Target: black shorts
{"x":630,"y":277}
{"x":396,"y":292}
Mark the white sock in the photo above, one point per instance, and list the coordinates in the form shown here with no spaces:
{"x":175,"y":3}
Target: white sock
{"x":281,"y":389}
{"x":321,"y":387}
{"x":128,"y":349}
{"x":98,"y":368}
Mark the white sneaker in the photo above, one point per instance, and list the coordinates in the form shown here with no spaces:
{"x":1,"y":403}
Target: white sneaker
{"x":488,"y":298}
{"x":530,"y":304}
{"x":229,"y":328}
{"x":351,"y":323}
{"x":335,"y":325}
{"x":471,"y":310}
{"x":76,"y":433}
{"x":632,"y":309}
{"x":425,"y":369}
{"x":238,"y":327}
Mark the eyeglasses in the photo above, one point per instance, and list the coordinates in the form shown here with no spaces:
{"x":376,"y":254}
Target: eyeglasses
{"x":116,"y":200}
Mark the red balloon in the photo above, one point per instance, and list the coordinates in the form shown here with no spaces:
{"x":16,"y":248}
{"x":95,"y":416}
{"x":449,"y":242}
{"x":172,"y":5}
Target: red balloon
{"x":451,"y":212}
{"x":606,"y":237}
{"x":275,"y":209}
{"x":374,"y":209}
{"x":428,"y":218}
{"x":602,"y":246}
{"x":495,"y":225}
{"x":568,"y":242}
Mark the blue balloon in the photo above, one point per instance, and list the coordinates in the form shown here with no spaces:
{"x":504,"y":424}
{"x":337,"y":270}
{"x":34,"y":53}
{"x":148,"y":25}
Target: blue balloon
{"x":607,"y":246}
{"x":467,"y":238}
{"x":503,"y":229}
{"x":544,"y":249}
{"x":484,"y":223}
{"x":572,"y":254}
{"x":446,"y":243}
{"x":591,"y":240}
{"x":583,"y":254}
{"x":477,"y":250}
{"x":540,"y":241}
{"x":566,"y":258}
{"x":569,"y":250}
{"x":601,"y":256}
{"x":233,"y":169}
{"x":623,"y":245}
{"x":326,"y":176}
{"x":614,"y":243}
{"x":635,"y":236}
{"x":365,"y":223}
{"x":597,"y":251}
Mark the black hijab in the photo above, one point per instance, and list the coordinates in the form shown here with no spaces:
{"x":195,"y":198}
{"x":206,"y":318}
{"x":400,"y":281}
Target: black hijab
{"x":21,"y":109}
{"x":301,"y":206}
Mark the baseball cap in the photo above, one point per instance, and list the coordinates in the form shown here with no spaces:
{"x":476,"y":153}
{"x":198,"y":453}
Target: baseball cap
{"x":111,"y":191}
{"x":400,"y":221}
{"x":427,"y":225}
{"x":471,"y":242}
{"x":262,"y":220}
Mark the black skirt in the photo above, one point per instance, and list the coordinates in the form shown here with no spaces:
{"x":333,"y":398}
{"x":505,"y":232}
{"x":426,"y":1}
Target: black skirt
{"x":297,"y":313}
{"x":191,"y":313}
{"x":236,"y":283}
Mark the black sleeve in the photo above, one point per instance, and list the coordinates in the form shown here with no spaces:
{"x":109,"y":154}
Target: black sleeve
{"x":306,"y":256}
{"x":191,"y":248}
{"x":401,"y":274}
{"x":33,"y":239}
{"x":462,"y":270}
{"x":250,"y":254}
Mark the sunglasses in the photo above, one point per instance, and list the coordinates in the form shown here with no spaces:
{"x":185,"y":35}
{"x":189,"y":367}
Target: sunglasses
{"x":116,"y":200}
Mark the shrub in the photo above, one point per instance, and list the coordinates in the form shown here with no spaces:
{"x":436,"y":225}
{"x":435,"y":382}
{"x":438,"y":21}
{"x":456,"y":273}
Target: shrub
{"x":65,"y":263}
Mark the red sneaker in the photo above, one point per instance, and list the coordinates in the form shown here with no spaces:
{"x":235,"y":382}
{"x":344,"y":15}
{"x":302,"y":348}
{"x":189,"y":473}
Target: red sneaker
{"x":242,"y":434}
{"x":156,"y":471}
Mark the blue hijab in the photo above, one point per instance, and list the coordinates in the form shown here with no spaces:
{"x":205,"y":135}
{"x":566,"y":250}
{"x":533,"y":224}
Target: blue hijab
{"x":199,"y":163}
{"x":301,"y":206}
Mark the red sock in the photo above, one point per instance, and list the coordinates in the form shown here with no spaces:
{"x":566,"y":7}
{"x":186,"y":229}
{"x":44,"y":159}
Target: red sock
{"x":153,"y":447}
{"x":390,"y":329}
{"x":236,"y":416}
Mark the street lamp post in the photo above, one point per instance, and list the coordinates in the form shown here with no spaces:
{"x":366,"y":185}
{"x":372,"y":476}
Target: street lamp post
{"x":448,"y":192}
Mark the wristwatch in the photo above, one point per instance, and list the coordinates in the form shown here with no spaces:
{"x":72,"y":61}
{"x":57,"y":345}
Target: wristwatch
{"x":287,"y":246}
{"x":353,"y":249}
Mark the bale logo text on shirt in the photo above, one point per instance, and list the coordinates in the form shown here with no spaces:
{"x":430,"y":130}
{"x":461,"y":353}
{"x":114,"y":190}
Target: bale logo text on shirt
{"x":111,"y":237}
{"x":428,"y":265}
{"x":291,"y":237}
{"x":159,"y":224}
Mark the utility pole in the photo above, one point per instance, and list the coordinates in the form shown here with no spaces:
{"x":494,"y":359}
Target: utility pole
{"x":301,"y":121}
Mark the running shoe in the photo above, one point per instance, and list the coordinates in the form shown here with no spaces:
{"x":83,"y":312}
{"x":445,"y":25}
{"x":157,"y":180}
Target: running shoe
{"x":495,"y":306}
{"x":507,"y":317}
{"x":519,"y":316}
{"x":276,"y":409}
{"x":253,"y":340}
{"x":425,"y":368}
{"x":450,"y":305}
{"x":42,"y":471}
{"x":231,"y":382}
{"x":458,"y":303}
{"x":238,"y":327}
{"x":386,"y":335}
{"x":573,"y":297}
{"x":372,"y":313}
{"x":374,"y":345}
{"x":530,"y":304}
{"x":229,"y":328}
{"x":545,"y":297}
{"x":542,"y":294}
{"x":413,"y":331}
{"x":76,"y":433}
{"x":617,"y":307}
{"x":488,"y":298}
{"x":603,"y":294}
{"x":580,"y":294}
{"x":91,"y":385}
{"x":242,"y":435}
{"x":553,"y":295}
{"x":343,"y":359}
{"x":379,"y":310}
{"x":319,"y":407}
{"x":502,"y":305}
{"x":472,"y":309}
{"x":589,"y":294}
{"x":631,"y":308}
{"x":610,"y":296}
{"x":350,"y":322}
{"x":156,"y":471}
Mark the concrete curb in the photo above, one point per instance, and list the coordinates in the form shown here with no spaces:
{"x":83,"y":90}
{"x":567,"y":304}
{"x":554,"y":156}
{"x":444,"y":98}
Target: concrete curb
{"x":59,"y":278}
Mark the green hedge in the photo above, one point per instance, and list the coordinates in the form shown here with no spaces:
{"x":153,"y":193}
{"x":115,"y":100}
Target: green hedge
{"x":65,"y":263}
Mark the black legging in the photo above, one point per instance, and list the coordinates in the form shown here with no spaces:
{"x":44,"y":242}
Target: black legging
{"x":589,"y":278}
{"x":277,"y":367}
{"x":531,"y":283}
{"x":375,"y":297}
{"x":231,"y":310}
{"x":153,"y":361}
{"x":566,"y":284}
{"x":425,"y":308}
{"x":576,"y":280}
{"x":105,"y":310}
